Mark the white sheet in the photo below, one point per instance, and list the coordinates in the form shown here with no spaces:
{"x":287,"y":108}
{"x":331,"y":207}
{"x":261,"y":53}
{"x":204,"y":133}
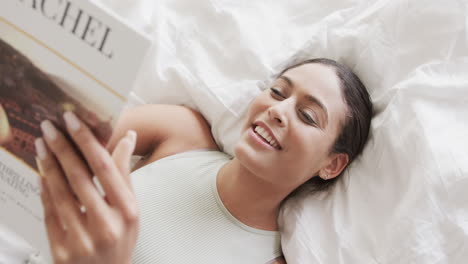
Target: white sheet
{"x":405,"y":199}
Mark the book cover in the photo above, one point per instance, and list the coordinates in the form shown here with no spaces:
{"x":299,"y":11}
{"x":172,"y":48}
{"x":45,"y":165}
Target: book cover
{"x":56,"y":56}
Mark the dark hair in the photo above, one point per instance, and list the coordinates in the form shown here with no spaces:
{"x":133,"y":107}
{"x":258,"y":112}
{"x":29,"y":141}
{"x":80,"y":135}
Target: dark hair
{"x":355,"y":129}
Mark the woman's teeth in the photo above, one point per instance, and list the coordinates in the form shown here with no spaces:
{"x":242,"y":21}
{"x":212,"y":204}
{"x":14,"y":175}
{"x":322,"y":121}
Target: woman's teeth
{"x":264,"y":134}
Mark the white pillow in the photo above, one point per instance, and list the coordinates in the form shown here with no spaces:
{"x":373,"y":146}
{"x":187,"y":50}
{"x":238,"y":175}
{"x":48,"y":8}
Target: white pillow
{"x":405,"y":199}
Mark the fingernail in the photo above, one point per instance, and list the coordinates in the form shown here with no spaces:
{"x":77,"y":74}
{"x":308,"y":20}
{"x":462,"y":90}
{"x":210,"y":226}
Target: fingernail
{"x":39,"y":166}
{"x":132,"y":135}
{"x":71,"y":121}
{"x":48,"y":129}
{"x":40,"y":148}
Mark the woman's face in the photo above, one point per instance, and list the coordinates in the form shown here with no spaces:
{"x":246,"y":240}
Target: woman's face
{"x":291,"y":127}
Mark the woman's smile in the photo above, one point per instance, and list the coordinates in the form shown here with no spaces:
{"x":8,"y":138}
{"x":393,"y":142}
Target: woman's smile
{"x":263,"y":138}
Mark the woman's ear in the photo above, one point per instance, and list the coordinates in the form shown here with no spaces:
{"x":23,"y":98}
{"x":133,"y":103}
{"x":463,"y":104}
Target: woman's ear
{"x":336,"y":164}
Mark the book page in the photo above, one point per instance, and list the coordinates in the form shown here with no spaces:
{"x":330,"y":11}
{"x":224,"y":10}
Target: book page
{"x":56,"y":56}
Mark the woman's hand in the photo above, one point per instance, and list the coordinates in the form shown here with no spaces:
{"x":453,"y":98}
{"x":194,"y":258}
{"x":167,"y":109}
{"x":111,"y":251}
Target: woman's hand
{"x":106,"y":230}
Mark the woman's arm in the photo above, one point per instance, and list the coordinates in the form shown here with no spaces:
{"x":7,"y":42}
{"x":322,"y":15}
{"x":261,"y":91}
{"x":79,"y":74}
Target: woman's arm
{"x":163,"y":128}
{"x":106,"y":232}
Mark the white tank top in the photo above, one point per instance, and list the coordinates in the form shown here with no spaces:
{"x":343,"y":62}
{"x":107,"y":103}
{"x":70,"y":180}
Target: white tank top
{"x":182,"y":218}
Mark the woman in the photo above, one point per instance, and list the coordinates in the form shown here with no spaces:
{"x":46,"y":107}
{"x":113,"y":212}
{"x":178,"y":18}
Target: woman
{"x":201,"y":206}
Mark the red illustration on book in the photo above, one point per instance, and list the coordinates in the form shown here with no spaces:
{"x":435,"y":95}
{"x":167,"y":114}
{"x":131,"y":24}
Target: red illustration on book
{"x":27,"y":97}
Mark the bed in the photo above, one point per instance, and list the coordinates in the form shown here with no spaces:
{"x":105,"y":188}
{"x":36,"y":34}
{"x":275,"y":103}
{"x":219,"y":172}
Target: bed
{"x":405,"y":200}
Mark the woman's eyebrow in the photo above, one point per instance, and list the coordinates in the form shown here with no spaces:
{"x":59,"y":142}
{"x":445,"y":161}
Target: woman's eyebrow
{"x":309,"y":97}
{"x":286,"y":79}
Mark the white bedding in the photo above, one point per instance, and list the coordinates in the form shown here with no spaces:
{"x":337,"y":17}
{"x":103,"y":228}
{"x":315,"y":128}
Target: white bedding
{"x":406,"y":199}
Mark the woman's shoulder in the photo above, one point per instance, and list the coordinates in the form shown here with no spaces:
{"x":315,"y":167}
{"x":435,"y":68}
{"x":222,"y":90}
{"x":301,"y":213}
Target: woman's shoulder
{"x":173,"y":129}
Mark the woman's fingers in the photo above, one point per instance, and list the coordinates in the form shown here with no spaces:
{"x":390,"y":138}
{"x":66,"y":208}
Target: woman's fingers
{"x":60,"y":194}
{"x":76,"y":171}
{"x":55,"y":233}
{"x":54,"y":228}
{"x":123,"y":153}
{"x":101,"y":163}
{"x":84,"y":238}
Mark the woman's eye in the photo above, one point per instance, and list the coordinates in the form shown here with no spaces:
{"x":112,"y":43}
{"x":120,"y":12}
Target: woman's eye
{"x":276,"y":93}
{"x":307,"y":118}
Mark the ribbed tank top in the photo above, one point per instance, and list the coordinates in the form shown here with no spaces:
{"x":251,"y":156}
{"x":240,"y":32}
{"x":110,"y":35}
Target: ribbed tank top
{"x":183,"y":220}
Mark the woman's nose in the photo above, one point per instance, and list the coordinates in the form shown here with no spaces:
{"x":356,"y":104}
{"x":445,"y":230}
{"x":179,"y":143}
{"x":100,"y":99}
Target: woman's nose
{"x":276,"y":113}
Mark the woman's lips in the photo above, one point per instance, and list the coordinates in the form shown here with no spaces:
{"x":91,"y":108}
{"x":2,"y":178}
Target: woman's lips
{"x":259,"y":139}
{"x":269,"y":132}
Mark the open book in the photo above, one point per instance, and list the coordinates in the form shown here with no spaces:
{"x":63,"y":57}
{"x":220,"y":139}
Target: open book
{"x":56,"y":56}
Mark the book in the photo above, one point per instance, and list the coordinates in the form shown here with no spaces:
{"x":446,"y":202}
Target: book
{"x":56,"y":56}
